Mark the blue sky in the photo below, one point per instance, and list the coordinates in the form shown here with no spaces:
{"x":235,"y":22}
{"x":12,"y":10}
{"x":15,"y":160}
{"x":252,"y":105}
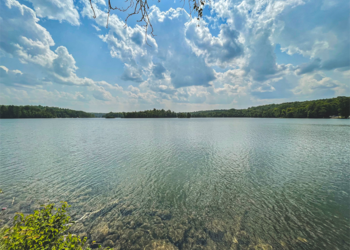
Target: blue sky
{"x":243,"y":53}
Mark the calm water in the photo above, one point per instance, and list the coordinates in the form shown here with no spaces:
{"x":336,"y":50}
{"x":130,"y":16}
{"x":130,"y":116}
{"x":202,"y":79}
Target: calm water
{"x":188,"y":183}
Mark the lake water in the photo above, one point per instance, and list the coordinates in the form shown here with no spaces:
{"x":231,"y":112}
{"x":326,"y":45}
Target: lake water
{"x":211,"y":183}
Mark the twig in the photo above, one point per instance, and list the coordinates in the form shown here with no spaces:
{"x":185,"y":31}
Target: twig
{"x":143,"y":7}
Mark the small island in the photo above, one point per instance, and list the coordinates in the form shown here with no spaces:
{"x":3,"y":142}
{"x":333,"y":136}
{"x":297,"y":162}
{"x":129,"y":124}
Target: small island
{"x":155,"y":113}
{"x":113,"y":115}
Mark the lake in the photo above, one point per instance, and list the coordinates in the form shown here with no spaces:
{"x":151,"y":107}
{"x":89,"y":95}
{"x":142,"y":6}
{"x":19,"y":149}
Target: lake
{"x":210,"y":183}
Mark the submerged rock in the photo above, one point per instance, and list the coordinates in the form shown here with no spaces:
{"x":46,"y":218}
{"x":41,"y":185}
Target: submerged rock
{"x":242,"y":238}
{"x":99,"y":232}
{"x":262,"y":247}
{"x":116,"y":225}
{"x":78,"y":227}
{"x":160,"y":245}
{"x":176,"y":235}
{"x":94,"y":245}
{"x":108,"y":243}
{"x":112,"y":237}
{"x":201,"y":239}
{"x":153,"y":212}
{"x":159,"y":233}
{"x":125,"y":210}
{"x":302,"y":240}
{"x":164,"y":215}
{"x":216,"y":230}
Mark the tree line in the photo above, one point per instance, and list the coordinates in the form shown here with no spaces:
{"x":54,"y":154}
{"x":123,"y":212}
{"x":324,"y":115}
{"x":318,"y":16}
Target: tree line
{"x":155,"y":113}
{"x":113,"y":115}
{"x":324,"y":108}
{"x":184,"y":115}
{"x":11,"y":111}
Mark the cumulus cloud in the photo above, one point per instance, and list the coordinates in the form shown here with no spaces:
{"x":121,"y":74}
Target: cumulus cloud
{"x":261,"y":61}
{"x":22,"y":36}
{"x":191,"y":65}
{"x":170,"y":53}
{"x":220,"y":50}
{"x":132,"y":73}
{"x":158,"y":71}
{"x":101,"y":94}
{"x":322,"y":36}
{"x":35,"y":96}
{"x":175,"y":53}
{"x":126,"y":43}
{"x":62,"y":10}
{"x":316,"y":84}
{"x":64,"y":63}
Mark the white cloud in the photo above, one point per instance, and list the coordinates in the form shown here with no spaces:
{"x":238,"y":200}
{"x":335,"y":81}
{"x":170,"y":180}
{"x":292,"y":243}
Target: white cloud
{"x":62,"y":10}
{"x":322,"y":36}
{"x":316,"y":83}
{"x":171,"y":51}
{"x":39,"y":96}
{"x":220,"y":50}
{"x":22,"y":36}
{"x":16,"y":77}
{"x":190,"y":66}
{"x":132,"y":73}
{"x":64,"y":63}
{"x":96,"y":28}
{"x":101,"y":94}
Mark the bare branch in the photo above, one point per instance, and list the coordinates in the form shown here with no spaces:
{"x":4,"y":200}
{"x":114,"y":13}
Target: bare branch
{"x":143,"y":7}
{"x":92,"y":9}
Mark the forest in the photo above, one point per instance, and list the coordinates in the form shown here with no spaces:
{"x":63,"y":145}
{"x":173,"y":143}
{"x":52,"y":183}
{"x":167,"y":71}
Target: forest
{"x":11,"y":111}
{"x":183,"y":115}
{"x":113,"y":115}
{"x":155,"y":113}
{"x":324,"y":108}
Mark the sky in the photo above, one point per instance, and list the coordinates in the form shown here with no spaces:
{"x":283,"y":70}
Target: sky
{"x":240,"y":54}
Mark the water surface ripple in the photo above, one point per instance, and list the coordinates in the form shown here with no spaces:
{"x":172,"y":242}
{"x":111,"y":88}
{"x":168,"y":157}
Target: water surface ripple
{"x":211,"y":183}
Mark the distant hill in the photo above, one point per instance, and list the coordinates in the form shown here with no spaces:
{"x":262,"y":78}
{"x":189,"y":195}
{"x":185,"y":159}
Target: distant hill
{"x":11,"y":111}
{"x":323,"y":108}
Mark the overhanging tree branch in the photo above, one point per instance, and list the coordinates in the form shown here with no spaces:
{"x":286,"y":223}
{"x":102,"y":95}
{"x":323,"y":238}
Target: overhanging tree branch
{"x":142,"y":7}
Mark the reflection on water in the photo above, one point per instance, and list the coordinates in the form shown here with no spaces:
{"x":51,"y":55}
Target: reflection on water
{"x":185,"y":183}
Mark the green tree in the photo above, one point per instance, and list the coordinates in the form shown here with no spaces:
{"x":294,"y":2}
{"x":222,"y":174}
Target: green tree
{"x":45,"y":229}
{"x":344,"y":106}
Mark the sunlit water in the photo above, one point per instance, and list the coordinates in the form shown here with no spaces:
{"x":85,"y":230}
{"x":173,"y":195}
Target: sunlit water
{"x":235,"y":183}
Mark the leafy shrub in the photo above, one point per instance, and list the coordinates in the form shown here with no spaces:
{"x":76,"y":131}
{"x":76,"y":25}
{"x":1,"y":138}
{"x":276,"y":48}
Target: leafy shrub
{"x":45,"y":229}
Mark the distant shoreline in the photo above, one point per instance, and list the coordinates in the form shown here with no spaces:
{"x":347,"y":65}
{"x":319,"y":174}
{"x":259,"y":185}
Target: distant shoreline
{"x":332,"y":108}
{"x":330,"y":118}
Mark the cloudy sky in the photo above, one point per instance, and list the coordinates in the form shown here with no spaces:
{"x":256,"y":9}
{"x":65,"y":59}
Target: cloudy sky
{"x":243,"y":53}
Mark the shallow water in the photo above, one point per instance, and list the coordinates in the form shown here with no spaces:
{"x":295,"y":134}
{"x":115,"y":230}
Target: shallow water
{"x":211,"y":183}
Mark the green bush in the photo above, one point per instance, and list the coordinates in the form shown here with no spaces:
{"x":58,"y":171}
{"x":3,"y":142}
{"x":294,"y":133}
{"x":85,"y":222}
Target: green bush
{"x":45,"y":229}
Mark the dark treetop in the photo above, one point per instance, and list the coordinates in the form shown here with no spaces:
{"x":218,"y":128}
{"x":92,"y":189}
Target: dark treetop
{"x":323,"y":108}
{"x":155,"y":113}
{"x":10,"y":111}
{"x":113,"y":115}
